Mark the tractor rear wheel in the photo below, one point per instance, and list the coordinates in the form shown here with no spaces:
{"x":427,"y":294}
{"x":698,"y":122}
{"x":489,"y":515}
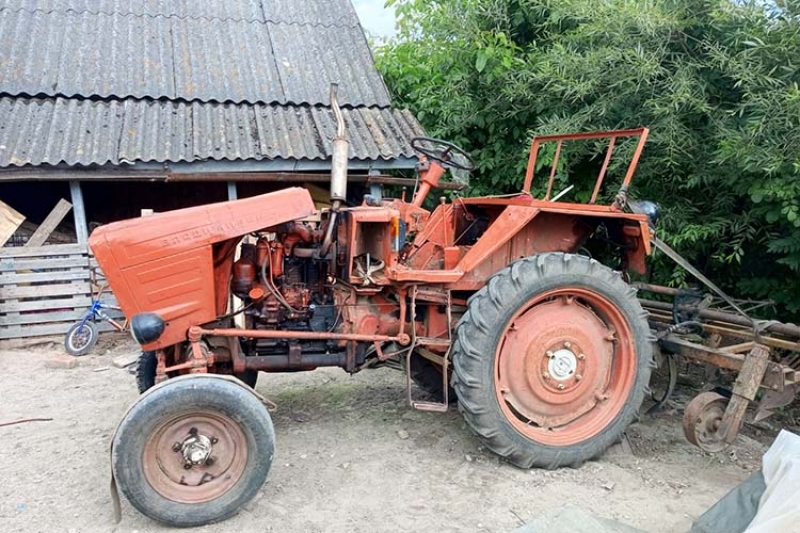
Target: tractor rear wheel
{"x":551,"y":360}
{"x":193,"y":450}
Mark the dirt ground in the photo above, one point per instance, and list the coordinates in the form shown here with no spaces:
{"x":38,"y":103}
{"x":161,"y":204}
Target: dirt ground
{"x":351,"y":457}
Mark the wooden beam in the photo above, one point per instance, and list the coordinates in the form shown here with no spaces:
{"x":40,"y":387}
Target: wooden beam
{"x":81,"y":229}
{"x":10,"y":220}
{"x":304,"y":177}
{"x":101,"y":174}
{"x":50,"y":223}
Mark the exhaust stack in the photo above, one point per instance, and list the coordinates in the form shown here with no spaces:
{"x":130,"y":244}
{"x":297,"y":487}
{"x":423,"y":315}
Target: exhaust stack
{"x":341,"y":150}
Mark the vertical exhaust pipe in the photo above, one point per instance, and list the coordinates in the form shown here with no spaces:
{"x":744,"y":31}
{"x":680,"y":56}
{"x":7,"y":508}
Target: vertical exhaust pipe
{"x":341,"y":151}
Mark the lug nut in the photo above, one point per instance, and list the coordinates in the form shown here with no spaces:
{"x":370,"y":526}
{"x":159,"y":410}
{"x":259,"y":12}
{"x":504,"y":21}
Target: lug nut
{"x":578,"y":377}
{"x":546,"y":375}
{"x":567,"y":345}
{"x":187,"y":466}
{"x":176,"y":447}
{"x":561,"y":386}
{"x":209,"y":461}
{"x":581,"y":356}
{"x":214,"y":440}
{"x":550,"y":354}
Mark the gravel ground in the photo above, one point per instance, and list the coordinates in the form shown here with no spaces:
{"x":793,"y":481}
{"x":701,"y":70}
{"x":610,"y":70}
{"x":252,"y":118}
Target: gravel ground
{"x":351,"y":457}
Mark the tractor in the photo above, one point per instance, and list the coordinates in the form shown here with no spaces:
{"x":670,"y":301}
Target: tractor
{"x":492,"y":303}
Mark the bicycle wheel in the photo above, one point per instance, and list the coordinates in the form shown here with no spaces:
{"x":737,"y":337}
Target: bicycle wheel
{"x":81,"y":337}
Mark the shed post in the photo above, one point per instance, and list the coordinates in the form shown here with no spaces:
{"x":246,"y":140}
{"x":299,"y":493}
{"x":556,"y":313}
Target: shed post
{"x":233,"y":194}
{"x":78,"y":210}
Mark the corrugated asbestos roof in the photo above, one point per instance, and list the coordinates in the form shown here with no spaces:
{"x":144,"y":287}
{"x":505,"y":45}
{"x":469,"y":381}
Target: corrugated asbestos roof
{"x":36,"y":131}
{"x":86,"y":82}
{"x":327,"y":12}
{"x":117,"y":55}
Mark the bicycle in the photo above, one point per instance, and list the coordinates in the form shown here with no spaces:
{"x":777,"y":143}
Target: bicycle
{"x":82,"y":335}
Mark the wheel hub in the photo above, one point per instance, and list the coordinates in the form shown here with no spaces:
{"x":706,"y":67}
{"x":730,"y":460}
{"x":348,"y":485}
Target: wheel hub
{"x":563,"y":364}
{"x":196,"y":449}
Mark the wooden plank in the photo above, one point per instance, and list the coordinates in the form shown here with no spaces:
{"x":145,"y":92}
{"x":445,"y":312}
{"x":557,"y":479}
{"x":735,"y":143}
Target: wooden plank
{"x":34,"y":330}
{"x":45,"y":291}
{"x":81,"y":301}
{"x":95,"y":174}
{"x":14,"y":278}
{"x":44,"y":251}
{"x":50,"y":223}
{"x":10,"y":220}
{"x":37,"y":330}
{"x":9,"y":264}
{"x":46,"y":317}
{"x":81,"y":228}
{"x":43,"y":317}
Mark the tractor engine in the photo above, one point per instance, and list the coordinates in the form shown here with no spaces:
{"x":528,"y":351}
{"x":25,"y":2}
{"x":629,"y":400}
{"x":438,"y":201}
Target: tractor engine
{"x":282,"y":282}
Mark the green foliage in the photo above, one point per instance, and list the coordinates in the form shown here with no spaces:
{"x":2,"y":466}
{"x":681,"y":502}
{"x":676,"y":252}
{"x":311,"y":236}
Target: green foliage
{"x":716,"y":81}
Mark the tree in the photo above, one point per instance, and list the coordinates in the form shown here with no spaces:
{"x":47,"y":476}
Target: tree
{"x":716,"y":82}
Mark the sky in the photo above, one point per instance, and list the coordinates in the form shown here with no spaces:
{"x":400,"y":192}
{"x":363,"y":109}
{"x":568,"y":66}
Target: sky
{"x":375,"y":18}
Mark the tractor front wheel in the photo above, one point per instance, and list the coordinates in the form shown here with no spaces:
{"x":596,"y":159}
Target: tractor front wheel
{"x":552,"y":360}
{"x":193,"y":450}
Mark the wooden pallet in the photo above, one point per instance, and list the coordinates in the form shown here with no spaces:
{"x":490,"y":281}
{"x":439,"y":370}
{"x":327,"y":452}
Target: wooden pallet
{"x":45,"y":289}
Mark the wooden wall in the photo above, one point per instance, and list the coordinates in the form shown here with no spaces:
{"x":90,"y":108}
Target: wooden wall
{"x":45,"y":289}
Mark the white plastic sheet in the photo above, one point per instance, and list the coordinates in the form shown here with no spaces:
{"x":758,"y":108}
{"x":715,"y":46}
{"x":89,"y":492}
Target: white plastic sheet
{"x":779,"y":507}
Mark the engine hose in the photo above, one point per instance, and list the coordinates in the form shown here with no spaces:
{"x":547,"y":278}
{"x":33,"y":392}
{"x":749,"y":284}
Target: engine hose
{"x":269,"y":283}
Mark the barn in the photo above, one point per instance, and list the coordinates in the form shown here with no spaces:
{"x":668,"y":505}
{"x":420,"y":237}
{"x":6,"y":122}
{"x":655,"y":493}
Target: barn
{"x":112,"y":109}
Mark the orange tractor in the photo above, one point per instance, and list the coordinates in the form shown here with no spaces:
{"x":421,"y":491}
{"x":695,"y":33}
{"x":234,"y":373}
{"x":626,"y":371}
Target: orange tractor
{"x":488,"y":299}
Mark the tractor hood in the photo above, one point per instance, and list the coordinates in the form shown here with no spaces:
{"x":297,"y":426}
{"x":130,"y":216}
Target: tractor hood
{"x":167,"y":263}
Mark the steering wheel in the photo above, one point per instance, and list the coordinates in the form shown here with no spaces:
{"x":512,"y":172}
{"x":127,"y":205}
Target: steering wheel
{"x":442,"y":152}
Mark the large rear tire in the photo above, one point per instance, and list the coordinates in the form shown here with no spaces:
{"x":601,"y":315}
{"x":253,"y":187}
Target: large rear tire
{"x":552,"y":360}
{"x":193,"y":450}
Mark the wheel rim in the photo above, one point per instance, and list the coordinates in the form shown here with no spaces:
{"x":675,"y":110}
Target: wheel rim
{"x":702,"y":419}
{"x":565,"y":366}
{"x":80,"y":337}
{"x":215,"y":442}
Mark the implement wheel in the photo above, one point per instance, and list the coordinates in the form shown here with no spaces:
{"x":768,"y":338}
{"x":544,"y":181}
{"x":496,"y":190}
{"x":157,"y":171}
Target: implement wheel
{"x":552,"y":360}
{"x":193,"y":450}
{"x":702,"y":419}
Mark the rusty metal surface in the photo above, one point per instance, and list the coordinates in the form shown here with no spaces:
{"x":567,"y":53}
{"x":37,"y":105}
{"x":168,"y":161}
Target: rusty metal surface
{"x":169,"y":449}
{"x":38,"y":131}
{"x":560,"y":377}
{"x":702,"y":420}
{"x":789,"y":330}
{"x":188,"y":53}
{"x":612,"y":136}
{"x":164,"y":263}
{"x":304,"y":335}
